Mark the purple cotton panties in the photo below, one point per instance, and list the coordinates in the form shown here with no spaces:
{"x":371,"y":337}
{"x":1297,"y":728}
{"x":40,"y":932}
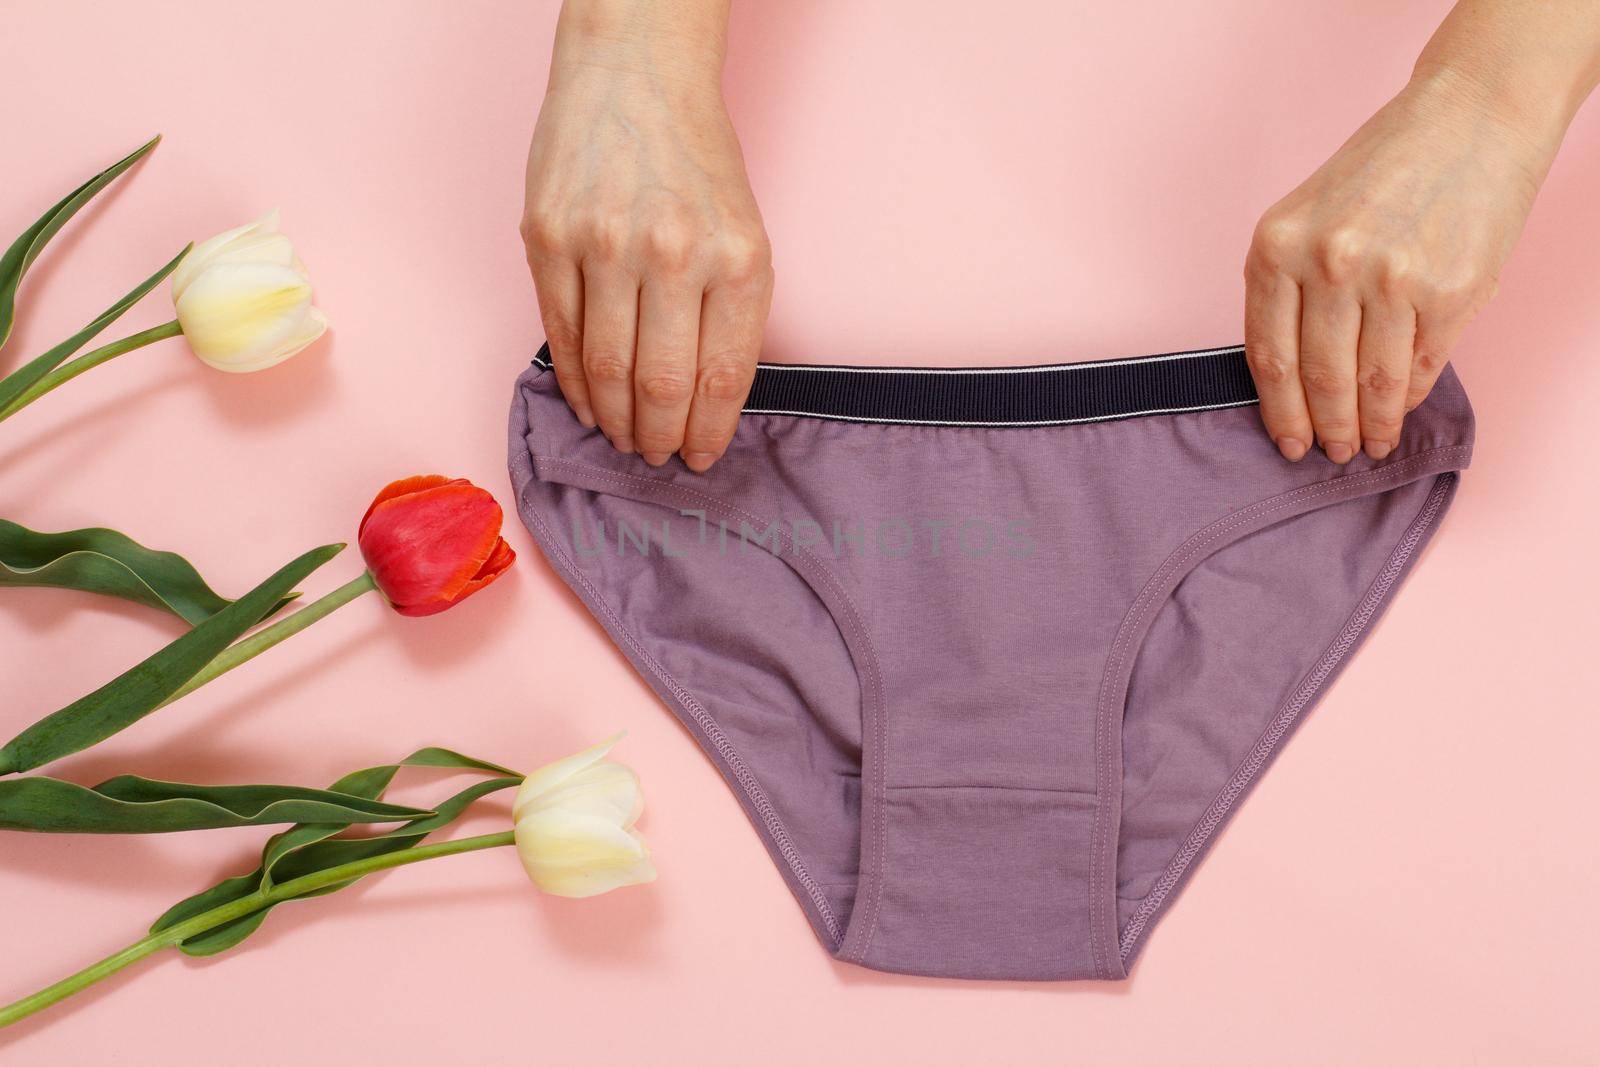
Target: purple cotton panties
{"x":988,"y":656}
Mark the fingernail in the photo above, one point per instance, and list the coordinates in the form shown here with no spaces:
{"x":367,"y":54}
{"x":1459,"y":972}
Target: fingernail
{"x":1339,"y":452}
{"x":1293,"y":449}
{"x":656,"y":459}
{"x":1377,"y":449}
{"x":586,"y":417}
{"x":699,"y":462}
{"x":622,"y":444}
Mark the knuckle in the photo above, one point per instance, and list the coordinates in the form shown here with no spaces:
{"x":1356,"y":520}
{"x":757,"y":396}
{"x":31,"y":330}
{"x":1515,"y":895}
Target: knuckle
{"x":708,"y":435}
{"x":570,"y":381}
{"x":669,"y":245}
{"x":1428,"y":362}
{"x":1338,"y":255}
{"x":1284,"y":424}
{"x":1326,"y":382}
{"x":1380,"y":383}
{"x":723,"y":381}
{"x":562,"y":334}
{"x":1334,"y":431}
{"x":1275,"y":244}
{"x":1384,"y":429}
{"x":608,"y":368}
{"x":542,"y":232}
{"x":1394,"y":277}
{"x":665,"y":388}
{"x":1269,"y":367}
{"x":653,"y":440}
{"x":705,"y":441}
{"x":744,"y":255}
{"x":607,"y":238}
{"x":1459,"y":295}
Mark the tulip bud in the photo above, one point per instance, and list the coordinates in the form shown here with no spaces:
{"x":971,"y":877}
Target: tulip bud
{"x":572,"y":821}
{"x":244,"y":299}
{"x":430,"y":542}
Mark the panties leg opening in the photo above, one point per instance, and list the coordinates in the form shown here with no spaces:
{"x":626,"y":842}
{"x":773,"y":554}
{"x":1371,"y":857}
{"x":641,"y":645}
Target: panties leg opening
{"x":1225,"y":650}
{"x":786,"y":708}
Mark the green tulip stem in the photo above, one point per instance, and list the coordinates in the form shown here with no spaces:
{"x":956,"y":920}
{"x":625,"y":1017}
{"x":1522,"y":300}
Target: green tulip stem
{"x":89,"y":360}
{"x":235,"y":909}
{"x":258,"y":642}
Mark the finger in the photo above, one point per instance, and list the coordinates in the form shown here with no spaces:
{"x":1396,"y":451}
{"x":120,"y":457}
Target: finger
{"x":663,"y":378}
{"x":731,"y":320}
{"x":1330,"y":330}
{"x":610,"y":328}
{"x":559,"y":284}
{"x":1272,"y":348}
{"x":1383,"y":372}
{"x":1436,"y":335}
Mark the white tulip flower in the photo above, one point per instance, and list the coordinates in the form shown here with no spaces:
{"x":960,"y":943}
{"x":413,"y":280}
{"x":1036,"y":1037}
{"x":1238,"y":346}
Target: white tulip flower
{"x":573,"y":823}
{"x":244,"y":299}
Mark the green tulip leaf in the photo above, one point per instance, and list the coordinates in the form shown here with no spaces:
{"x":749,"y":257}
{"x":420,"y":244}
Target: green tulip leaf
{"x":98,"y":560}
{"x":24,"y":377}
{"x":144,"y":688}
{"x":442,"y":758}
{"x":132,"y":805}
{"x":25,"y":249}
{"x":302,"y":850}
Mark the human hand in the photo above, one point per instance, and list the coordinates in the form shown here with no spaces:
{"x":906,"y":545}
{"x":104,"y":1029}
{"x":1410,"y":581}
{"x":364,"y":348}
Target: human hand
{"x":1359,"y":281}
{"x":648,"y":252}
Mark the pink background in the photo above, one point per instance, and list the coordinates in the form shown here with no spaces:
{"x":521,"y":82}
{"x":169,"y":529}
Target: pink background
{"x":972,"y":183}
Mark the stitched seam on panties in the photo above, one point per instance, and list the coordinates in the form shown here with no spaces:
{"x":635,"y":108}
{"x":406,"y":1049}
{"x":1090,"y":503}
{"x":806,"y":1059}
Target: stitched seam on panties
{"x":854,"y":621}
{"x":1133,"y":620}
{"x":1308,"y":688}
{"x":1181,"y":558}
{"x":1055,"y":790}
{"x":719,"y":740}
{"x":978,"y":424}
{"x":859,"y":630}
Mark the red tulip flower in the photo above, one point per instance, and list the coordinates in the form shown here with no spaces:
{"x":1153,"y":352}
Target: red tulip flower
{"x":431,"y":542}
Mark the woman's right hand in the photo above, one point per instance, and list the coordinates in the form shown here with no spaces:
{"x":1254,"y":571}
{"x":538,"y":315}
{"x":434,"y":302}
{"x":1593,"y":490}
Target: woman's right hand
{"x":1359,"y":281}
{"x":647,"y":249}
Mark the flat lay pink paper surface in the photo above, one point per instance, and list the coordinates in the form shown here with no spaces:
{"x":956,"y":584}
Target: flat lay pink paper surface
{"x":943,"y":183}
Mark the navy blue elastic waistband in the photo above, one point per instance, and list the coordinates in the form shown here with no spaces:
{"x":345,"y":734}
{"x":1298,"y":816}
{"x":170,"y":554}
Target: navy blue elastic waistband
{"x":1050,"y":395}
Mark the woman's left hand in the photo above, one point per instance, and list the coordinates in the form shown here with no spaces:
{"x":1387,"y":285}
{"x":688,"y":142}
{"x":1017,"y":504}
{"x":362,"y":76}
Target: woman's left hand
{"x":1358,"y":282}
